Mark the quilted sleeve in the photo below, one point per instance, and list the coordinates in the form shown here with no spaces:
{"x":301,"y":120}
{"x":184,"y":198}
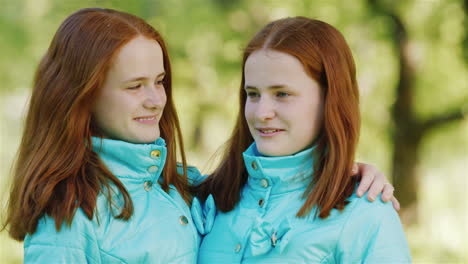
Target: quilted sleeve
{"x":72,"y":244}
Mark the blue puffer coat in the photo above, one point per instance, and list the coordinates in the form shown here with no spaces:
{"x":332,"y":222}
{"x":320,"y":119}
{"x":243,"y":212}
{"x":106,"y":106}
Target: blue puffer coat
{"x":161,"y":229}
{"x":263,"y":227}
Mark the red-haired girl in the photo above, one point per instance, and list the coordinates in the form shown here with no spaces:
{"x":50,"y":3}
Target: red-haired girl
{"x":283,"y":190}
{"x":96,"y":179}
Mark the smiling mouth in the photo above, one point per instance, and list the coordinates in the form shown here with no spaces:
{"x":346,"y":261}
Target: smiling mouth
{"x":145,"y":118}
{"x":269,"y":131}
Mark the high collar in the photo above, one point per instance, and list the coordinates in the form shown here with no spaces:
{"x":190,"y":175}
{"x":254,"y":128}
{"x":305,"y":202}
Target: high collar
{"x":282,"y":173}
{"x":129,"y":160}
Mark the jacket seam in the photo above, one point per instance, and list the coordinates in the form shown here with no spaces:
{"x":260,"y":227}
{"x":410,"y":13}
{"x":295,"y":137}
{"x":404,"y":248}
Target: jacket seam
{"x":112,"y":255}
{"x":97,"y":240}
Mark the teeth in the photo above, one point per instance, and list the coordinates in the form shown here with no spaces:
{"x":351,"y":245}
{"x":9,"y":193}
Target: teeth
{"x":269,"y":130}
{"x":148,"y":118}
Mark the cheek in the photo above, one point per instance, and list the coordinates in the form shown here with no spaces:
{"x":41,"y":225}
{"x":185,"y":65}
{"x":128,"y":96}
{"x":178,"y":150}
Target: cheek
{"x":249,"y":116}
{"x":115,"y":107}
{"x":165,"y":100}
{"x":248,"y":111}
{"x":163,"y":97}
{"x":308,"y":118}
{"x":99,"y":110}
{"x":315,"y":120}
{"x":102,"y":116}
{"x":317,"y":114}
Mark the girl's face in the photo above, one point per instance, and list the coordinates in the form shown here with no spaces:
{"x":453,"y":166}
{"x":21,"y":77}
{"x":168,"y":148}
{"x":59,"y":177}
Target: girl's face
{"x":131,"y":102}
{"x":284,"y":106}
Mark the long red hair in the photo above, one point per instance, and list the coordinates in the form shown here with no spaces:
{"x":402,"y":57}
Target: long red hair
{"x":327,"y":58}
{"x":56,"y":170}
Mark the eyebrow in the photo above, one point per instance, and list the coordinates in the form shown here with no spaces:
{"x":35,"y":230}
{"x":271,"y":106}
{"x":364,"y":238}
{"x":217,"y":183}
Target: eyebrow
{"x":273,"y":87}
{"x":143,"y":78}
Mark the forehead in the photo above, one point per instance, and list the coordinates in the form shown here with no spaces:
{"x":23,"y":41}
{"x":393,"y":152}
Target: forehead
{"x":271,"y":67}
{"x":139,"y":57}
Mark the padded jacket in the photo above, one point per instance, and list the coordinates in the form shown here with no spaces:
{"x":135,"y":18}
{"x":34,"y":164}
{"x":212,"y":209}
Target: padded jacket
{"x":263,"y":227}
{"x":161,"y":229}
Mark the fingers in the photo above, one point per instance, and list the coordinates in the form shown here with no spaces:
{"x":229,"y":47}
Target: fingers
{"x":355,"y":169}
{"x":376,"y":187}
{"x":395,"y":203}
{"x":374,"y":182}
{"x":387,"y":193}
{"x":368,"y":174}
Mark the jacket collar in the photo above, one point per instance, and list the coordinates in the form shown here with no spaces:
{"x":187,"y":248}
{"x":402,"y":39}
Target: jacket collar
{"x":129,"y":160}
{"x":282,"y":173}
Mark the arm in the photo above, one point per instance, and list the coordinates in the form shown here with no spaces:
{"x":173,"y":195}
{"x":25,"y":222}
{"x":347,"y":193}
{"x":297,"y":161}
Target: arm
{"x":37,"y":253}
{"x":72,"y":244}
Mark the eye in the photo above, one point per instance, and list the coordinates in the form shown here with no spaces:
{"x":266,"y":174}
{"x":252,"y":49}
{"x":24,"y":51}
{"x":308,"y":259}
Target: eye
{"x":134,"y":87}
{"x":252,"y":94}
{"x":160,"y":82}
{"x":282,"y":94}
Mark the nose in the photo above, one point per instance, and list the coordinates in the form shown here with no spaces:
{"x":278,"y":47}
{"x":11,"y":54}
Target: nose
{"x":155,"y":98}
{"x":265,"y":109}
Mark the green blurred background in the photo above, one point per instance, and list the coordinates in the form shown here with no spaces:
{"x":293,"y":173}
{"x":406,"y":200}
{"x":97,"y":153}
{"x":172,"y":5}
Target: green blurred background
{"x":412,"y":62}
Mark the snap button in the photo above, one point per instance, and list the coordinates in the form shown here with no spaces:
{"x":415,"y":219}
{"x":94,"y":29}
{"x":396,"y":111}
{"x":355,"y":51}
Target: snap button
{"x":153,"y":169}
{"x":183,"y":220}
{"x":155,"y":154}
{"x":148,"y":185}
{"x":238,"y":248}
{"x":260,"y":202}
{"x":264,"y":183}
{"x":254,"y":165}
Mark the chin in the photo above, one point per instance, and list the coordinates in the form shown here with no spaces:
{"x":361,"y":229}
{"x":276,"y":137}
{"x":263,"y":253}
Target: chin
{"x":148,"y":137}
{"x":149,"y":141}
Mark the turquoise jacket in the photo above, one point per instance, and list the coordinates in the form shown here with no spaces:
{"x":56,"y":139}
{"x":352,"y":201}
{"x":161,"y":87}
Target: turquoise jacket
{"x":263,"y":227}
{"x":161,"y":229}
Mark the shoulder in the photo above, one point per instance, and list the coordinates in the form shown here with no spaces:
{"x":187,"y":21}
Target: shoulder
{"x":361,"y":211}
{"x":366,"y":219}
{"x":193,"y":174}
{"x":372,"y":231}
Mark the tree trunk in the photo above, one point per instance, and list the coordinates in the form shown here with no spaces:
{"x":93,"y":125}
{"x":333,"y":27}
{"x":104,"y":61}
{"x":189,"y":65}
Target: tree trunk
{"x":408,"y":129}
{"x":405,"y":171}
